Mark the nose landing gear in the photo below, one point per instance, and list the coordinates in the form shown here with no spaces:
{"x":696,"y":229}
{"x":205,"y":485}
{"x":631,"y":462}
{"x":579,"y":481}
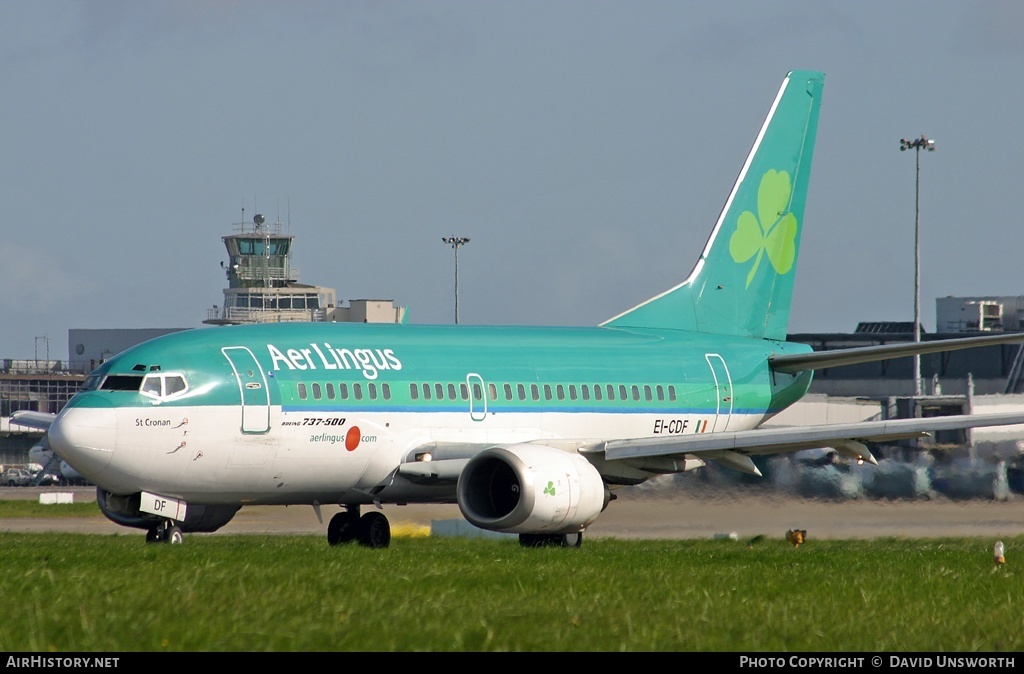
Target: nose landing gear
{"x":165,"y":532}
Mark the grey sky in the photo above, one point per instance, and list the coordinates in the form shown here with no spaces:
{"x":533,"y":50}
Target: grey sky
{"x":585,"y":147}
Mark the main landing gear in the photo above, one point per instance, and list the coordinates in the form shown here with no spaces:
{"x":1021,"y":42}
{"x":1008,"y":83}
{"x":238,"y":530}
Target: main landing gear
{"x":372,"y":530}
{"x":165,"y":532}
{"x":553,"y":540}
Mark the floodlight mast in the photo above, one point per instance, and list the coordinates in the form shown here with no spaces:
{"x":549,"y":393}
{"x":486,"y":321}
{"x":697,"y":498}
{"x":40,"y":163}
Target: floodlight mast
{"x":456,"y":242}
{"x":917,"y":144}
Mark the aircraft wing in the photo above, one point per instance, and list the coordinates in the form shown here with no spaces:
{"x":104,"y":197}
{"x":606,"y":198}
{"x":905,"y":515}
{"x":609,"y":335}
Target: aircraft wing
{"x":819,"y":360}
{"x":734,"y":449}
{"x":29,"y":419}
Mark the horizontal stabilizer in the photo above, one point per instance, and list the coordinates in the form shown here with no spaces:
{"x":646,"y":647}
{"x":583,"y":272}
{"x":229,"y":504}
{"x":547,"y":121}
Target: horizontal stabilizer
{"x":39,"y":420}
{"x":819,"y":360}
{"x":796,"y":438}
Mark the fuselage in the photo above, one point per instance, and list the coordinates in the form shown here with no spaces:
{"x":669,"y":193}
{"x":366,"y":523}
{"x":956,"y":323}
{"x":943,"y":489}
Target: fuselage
{"x":326,"y":412}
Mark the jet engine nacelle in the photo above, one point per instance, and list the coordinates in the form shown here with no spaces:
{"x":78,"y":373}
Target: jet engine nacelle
{"x":531,"y":489}
{"x":124,"y":510}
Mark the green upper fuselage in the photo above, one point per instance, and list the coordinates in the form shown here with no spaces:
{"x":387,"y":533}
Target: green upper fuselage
{"x":700,"y":348}
{"x":336,"y":366}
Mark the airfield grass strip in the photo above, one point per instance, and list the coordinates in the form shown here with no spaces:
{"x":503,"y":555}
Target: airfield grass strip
{"x":35,"y":509}
{"x":77,"y":592}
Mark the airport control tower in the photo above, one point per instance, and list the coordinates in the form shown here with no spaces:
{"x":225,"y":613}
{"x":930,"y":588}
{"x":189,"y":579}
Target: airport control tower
{"x":263,"y":287}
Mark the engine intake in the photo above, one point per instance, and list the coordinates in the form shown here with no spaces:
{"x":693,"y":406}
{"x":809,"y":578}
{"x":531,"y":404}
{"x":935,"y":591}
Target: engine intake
{"x":531,"y":489}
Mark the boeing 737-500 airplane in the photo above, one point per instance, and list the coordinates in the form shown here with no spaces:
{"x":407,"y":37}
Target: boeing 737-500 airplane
{"x":528,"y":429}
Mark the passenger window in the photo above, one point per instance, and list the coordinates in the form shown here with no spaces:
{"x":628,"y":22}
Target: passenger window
{"x":302,"y":391}
{"x":386,"y":390}
{"x":493,"y":391}
{"x":572,"y":391}
{"x":622,"y":392}
{"x":585,"y":390}
{"x":317,"y":393}
{"x":560,"y":391}
{"x":508,"y":391}
{"x":478,"y":393}
{"x":597,"y":391}
{"x":672,"y":393}
{"x":357,"y":391}
{"x":464,"y":391}
{"x":426,"y":391}
{"x":661,"y":392}
{"x":414,"y":391}
{"x":439,"y":390}
{"x":451,"y":392}
{"x":534,"y":392}
{"x":636,"y":391}
{"x":372,"y":388}
{"x":330,"y":391}
{"x":611,"y":392}
{"x":343,"y":391}
{"x":521,"y":391}
{"x":547,"y":391}
{"x":647,"y":393}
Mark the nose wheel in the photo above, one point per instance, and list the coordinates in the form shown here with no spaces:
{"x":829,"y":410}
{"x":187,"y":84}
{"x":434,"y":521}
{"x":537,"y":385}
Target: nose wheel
{"x":165,"y":532}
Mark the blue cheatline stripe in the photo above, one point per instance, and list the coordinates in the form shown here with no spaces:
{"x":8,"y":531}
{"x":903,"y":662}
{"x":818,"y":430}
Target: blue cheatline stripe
{"x":463,"y":409}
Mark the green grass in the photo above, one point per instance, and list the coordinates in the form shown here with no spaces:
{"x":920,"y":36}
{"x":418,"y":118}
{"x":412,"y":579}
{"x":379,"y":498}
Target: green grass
{"x":35,"y":509}
{"x":78,"y":592}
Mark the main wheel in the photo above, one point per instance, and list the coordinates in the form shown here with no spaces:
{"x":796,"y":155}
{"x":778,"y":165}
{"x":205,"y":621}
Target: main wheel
{"x":374,"y":530}
{"x":572,"y":540}
{"x":343,"y":528}
{"x":551,"y":540}
{"x":531,"y":540}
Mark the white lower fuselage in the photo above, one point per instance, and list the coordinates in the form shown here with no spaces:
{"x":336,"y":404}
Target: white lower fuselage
{"x":198,"y":454}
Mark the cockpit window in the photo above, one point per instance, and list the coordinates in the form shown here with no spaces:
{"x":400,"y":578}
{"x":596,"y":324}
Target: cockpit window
{"x":173,"y":383}
{"x":163,"y":385}
{"x":121,"y":382}
{"x":91,"y":383}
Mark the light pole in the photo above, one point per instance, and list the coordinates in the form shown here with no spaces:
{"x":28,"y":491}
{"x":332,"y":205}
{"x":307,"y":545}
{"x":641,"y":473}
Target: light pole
{"x":917,"y":144}
{"x":456,"y":242}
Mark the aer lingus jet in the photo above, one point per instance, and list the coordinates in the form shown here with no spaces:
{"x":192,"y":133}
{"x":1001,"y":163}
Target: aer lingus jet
{"x":528,"y":429}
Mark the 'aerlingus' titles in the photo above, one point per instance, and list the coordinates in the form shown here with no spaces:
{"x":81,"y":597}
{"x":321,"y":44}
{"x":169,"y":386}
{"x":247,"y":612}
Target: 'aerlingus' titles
{"x":324,"y":356}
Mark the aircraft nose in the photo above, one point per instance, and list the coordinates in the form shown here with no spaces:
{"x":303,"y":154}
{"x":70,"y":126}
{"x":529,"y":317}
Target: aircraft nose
{"x":84,"y":436}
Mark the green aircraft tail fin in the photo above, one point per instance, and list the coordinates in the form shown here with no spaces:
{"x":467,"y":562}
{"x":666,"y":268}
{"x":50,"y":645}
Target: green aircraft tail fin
{"x":742,"y":283}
